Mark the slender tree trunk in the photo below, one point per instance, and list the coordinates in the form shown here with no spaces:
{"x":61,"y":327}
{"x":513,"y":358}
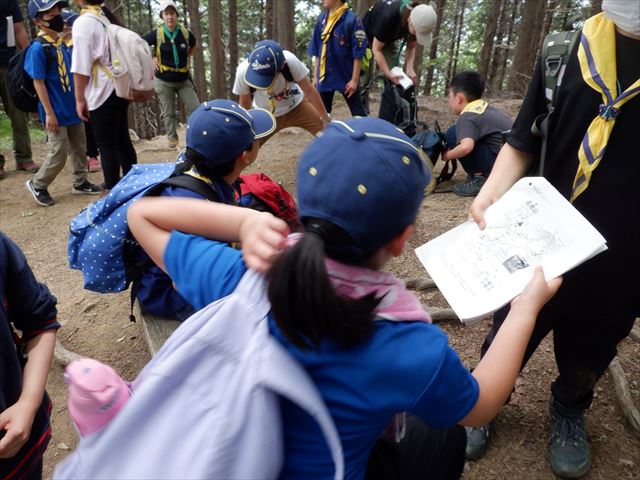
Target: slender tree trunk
{"x":489,"y":38}
{"x":417,"y":66}
{"x":433,"y":51}
{"x":268,"y":17}
{"x":455,"y":46}
{"x":198,"y":65}
{"x":284,"y":32}
{"x":509,"y":47}
{"x":150,"y":15}
{"x":498,"y":47}
{"x":216,"y":49}
{"x":527,"y":46}
{"x":233,"y":42}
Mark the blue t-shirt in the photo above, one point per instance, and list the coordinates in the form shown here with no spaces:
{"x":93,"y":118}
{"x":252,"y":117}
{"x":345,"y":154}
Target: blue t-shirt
{"x":348,"y":42}
{"x":404,"y":366}
{"x":155,"y":289}
{"x":43,"y":65}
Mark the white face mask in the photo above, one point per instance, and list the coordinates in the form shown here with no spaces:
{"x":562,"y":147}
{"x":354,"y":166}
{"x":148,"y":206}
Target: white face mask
{"x":624,"y":13}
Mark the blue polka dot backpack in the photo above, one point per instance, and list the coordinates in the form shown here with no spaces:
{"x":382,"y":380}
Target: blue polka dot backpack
{"x":100,"y":243}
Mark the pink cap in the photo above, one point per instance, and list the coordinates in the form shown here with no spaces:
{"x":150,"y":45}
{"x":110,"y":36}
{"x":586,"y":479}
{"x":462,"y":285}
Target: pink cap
{"x":96,"y":394}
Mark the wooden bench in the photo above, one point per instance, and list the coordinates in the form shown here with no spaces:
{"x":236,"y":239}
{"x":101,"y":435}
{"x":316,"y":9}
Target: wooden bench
{"x":156,"y":329}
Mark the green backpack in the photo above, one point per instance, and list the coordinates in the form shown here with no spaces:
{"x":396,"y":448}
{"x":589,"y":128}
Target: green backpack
{"x":555,"y":52}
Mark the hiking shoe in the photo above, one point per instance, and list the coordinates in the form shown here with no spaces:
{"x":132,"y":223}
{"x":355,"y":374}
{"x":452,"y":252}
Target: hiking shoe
{"x":477,"y":440}
{"x":93,"y":164}
{"x":86,"y":188}
{"x":471,"y":187}
{"x":40,"y":195}
{"x":568,"y":444}
{"x":29,"y":167}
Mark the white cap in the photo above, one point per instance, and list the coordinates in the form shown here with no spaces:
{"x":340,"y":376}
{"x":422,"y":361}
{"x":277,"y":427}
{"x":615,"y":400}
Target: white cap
{"x":164,"y":4}
{"x":423,"y":18}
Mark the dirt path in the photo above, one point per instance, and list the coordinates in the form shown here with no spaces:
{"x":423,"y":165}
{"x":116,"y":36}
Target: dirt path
{"x":98,"y":325}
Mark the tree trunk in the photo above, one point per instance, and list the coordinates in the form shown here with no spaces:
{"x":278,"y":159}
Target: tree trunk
{"x":268,"y":19}
{"x":198,"y":66}
{"x":150,"y":15}
{"x":284,"y":28}
{"x":417,"y":66}
{"x":509,"y":47}
{"x":455,"y":45}
{"x":233,"y":43}
{"x":216,"y":49}
{"x":498,"y":47}
{"x":433,"y":52}
{"x":489,"y":38}
{"x":527,"y":46}
{"x":116,"y":8}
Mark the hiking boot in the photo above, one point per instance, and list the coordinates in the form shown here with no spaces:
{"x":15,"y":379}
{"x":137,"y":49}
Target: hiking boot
{"x":93,"y":164}
{"x":86,"y":188}
{"x":477,"y":440}
{"x":40,"y":195}
{"x":471,"y":187}
{"x":568,"y":444}
{"x":29,"y":167}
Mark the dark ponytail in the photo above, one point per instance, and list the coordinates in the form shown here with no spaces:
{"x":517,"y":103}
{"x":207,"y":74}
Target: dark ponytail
{"x":107,"y":13}
{"x":304,"y":304}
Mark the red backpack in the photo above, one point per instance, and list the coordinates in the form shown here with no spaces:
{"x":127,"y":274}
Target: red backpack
{"x":259,"y":192}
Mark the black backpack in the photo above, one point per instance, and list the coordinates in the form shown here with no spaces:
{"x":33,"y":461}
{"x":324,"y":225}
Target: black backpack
{"x":21,"y":88}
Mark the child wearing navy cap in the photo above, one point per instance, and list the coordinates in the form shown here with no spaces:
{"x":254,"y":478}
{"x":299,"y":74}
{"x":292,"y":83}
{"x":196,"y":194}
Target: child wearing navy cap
{"x":276,"y":80}
{"x":222,"y":140}
{"x":363,"y":338}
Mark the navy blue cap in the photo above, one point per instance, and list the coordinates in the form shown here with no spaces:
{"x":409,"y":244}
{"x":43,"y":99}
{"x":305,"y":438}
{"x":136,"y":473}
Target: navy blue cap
{"x":220,"y":130}
{"x":266,"y":59}
{"x":35,"y":7}
{"x":365,"y":176}
{"x":69,"y":17}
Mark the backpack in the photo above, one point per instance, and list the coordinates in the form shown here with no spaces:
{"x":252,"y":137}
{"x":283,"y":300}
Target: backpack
{"x":555,"y":52}
{"x":207,"y":405}
{"x":21,"y":88}
{"x":433,"y":143}
{"x":400,"y":107}
{"x":259,"y":192}
{"x":132,"y":68}
{"x":100,"y":244}
{"x":160,"y":39}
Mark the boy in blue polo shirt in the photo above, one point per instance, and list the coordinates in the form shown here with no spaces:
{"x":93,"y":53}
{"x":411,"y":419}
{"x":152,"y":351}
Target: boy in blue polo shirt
{"x":48,"y":62}
{"x":338,"y":44}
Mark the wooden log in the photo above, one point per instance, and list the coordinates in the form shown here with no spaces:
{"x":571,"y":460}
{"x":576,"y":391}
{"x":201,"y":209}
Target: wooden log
{"x":63,"y":356}
{"x":624,"y":395}
{"x":156,"y":329}
{"x":424,"y":283}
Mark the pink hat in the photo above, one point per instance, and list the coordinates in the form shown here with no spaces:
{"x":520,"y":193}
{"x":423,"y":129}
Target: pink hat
{"x":96,"y":394}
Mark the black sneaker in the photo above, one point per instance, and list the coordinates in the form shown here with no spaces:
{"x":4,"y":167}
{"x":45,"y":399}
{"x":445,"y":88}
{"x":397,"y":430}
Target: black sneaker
{"x":471,"y":187}
{"x":86,"y":188}
{"x":477,"y":441}
{"x":40,"y":195}
{"x":568,"y":445}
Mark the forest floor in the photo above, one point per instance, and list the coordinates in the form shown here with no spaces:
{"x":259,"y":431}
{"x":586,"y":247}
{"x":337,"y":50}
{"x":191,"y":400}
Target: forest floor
{"x":98,"y":326}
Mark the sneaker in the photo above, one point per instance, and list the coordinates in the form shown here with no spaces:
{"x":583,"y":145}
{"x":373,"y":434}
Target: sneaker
{"x":477,"y":440}
{"x":86,"y":188}
{"x":568,"y":444}
{"x":29,"y":167}
{"x":173,"y":143}
{"x":93,"y":164}
{"x":471,"y":187}
{"x":40,"y":195}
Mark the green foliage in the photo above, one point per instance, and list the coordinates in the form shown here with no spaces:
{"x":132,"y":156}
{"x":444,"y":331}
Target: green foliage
{"x":6,"y":138}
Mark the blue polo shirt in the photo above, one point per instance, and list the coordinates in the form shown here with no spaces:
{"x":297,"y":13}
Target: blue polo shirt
{"x":43,"y":65}
{"x":404,"y":366}
{"x":348,"y":42}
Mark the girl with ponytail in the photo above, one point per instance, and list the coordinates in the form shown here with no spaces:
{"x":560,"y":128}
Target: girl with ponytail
{"x":363,"y":338}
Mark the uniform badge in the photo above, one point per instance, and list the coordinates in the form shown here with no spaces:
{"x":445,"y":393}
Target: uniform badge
{"x":360,"y":37}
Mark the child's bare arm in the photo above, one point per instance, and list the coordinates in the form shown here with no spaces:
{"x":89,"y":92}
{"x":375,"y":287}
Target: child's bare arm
{"x":51,"y":122}
{"x":497,"y":371}
{"x":151,"y":221}
{"x":18,"y":418}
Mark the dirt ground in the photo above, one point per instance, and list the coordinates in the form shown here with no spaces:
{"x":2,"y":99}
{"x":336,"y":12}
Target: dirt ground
{"x":98,"y":325}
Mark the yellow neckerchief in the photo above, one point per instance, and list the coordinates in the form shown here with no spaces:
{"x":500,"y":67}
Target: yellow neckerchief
{"x":62,"y":68}
{"x":477,"y":106}
{"x":95,"y":9}
{"x":194,"y":174}
{"x":160,"y":39}
{"x":325,"y":36}
{"x":597,"y":56}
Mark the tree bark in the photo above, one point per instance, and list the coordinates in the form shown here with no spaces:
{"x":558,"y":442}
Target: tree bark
{"x":198,"y":66}
{"x":433,"y":51}
{"x":455,"y":46}
{"x":216,"y":49}
{"x":498,"y":47}
{"x":284,"y":31}
{"x":268,"y":19}
{"x":509,"y":47}
{"x":233,"y":43}
{"x":489,"y":38}
{"x":527,"y":46}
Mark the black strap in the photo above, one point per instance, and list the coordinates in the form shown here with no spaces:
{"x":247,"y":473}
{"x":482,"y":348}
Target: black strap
{"x":202,"y":188}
